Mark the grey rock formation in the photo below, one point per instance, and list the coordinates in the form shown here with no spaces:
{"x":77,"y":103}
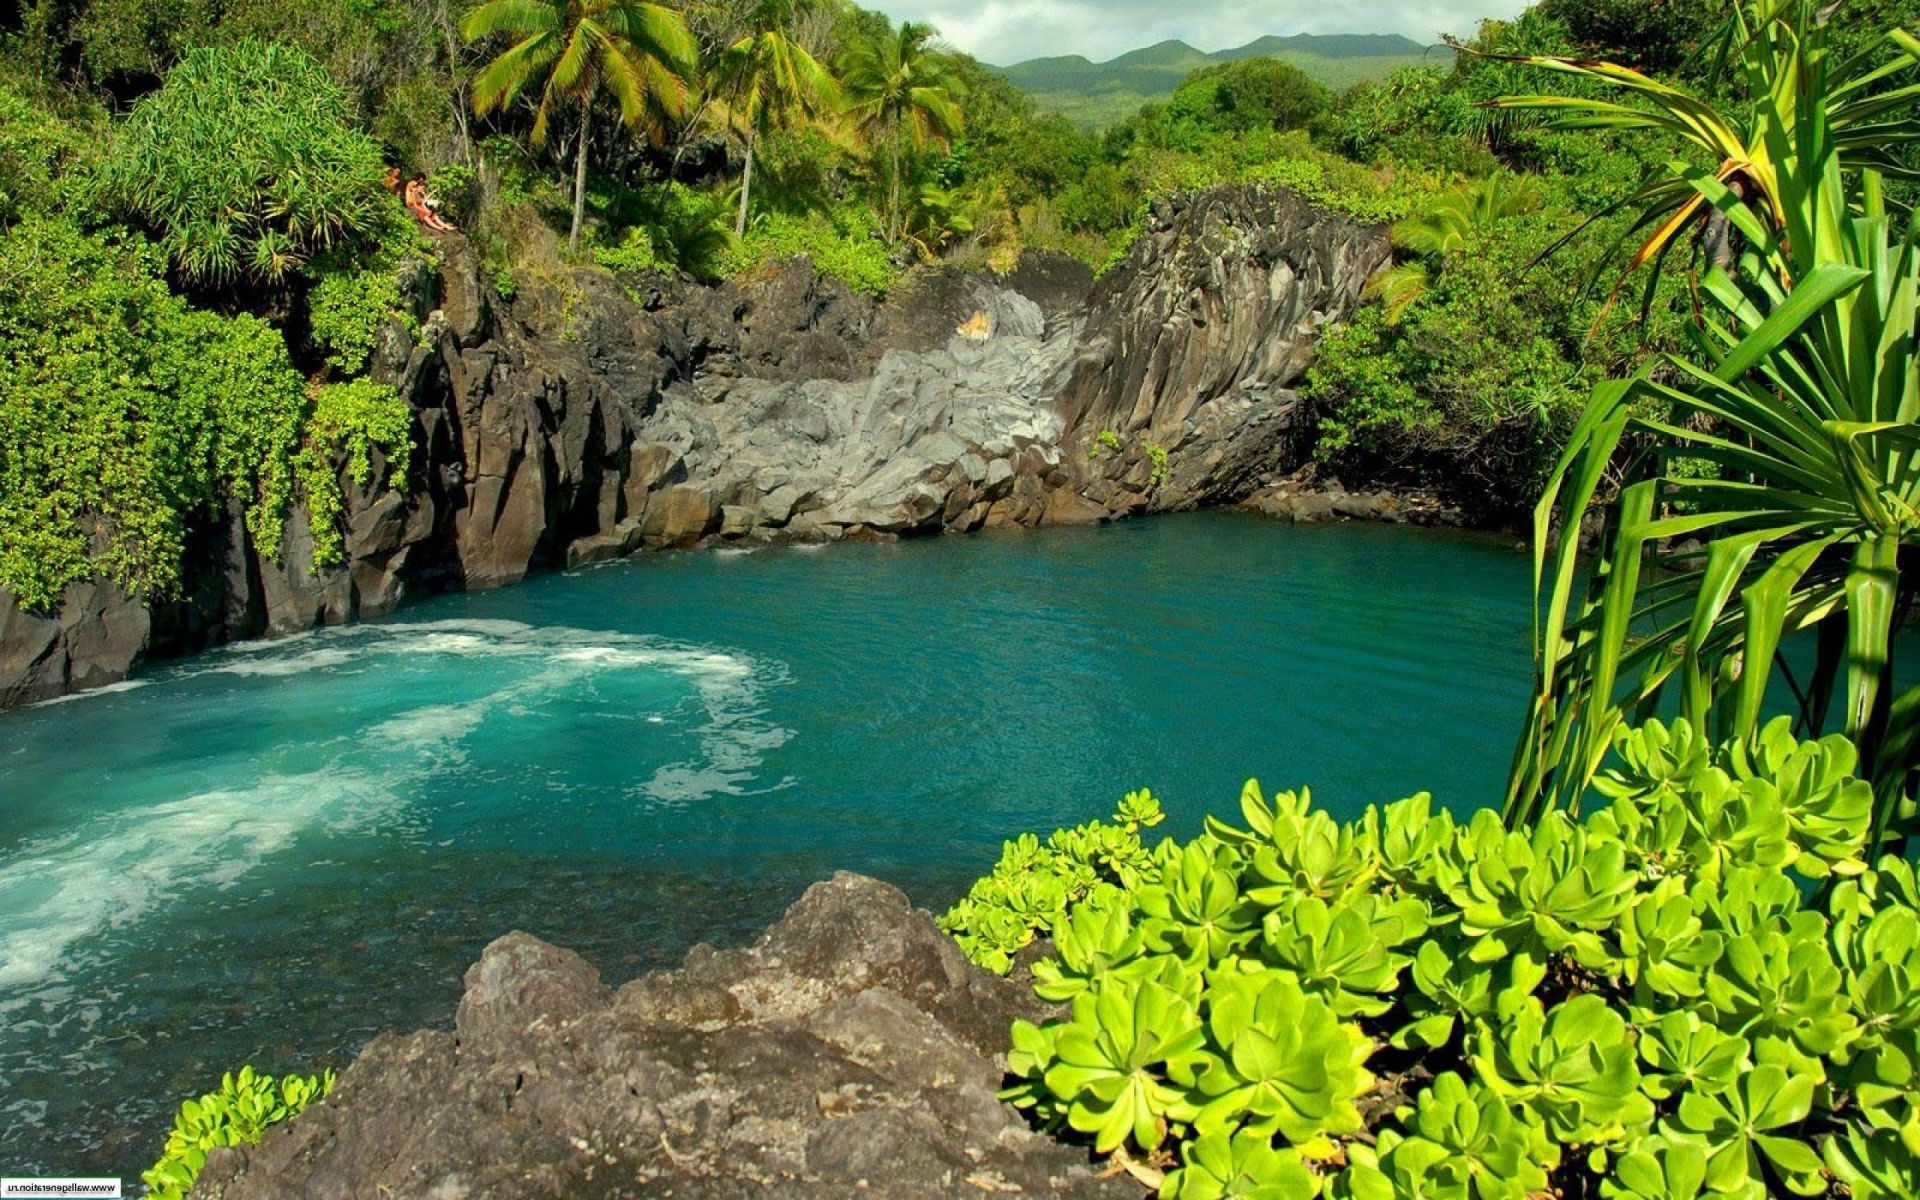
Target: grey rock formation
{"x":593,"y":418}
{"x":853,"y":1051}
{"x":1193,"y":342}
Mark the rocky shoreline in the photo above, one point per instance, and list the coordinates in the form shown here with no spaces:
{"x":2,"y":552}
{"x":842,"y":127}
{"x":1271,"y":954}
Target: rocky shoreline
{"x":591,"y":418}
{"x":852,"y":1051}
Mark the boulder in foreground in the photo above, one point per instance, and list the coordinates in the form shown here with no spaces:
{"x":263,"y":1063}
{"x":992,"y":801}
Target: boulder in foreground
{"x":852,"y":1051}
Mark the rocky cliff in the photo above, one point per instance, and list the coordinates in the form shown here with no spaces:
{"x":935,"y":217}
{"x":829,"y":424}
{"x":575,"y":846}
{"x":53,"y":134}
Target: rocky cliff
{"x":592,"y":418}
{"x":853,"y":1051}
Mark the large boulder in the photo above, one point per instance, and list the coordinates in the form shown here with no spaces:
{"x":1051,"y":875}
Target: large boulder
{"x":853,"y":1051}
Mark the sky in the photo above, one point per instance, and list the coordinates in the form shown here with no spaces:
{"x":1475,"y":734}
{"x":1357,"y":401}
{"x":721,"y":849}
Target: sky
{"x":1009,"y":31}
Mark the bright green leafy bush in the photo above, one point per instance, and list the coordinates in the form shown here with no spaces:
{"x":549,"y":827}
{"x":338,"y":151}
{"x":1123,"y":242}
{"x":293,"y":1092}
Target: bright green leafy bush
{"x":346,"y":307}
{"x":244,"y":1108}
{"x":1642,"y":1004}
{"x":36,"y":150}
{"x":123,"y":411}
{"x":244,"y":164}
{"x":125,"y":415}
{"x":362,"y":424}
{"x":1030,"y":890}
{"x":850,"y":250}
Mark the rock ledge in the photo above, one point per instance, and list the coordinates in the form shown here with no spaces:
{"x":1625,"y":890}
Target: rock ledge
{"x":852,"y":1051}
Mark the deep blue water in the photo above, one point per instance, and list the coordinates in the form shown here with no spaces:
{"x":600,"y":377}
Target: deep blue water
{"x":269,"y":853}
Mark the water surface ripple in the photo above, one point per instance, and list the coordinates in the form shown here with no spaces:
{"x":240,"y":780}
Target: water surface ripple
{"x":269,"y":853}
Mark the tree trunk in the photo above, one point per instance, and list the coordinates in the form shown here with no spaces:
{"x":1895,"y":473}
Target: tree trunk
{"x":746,"y":187}
{"x":893,"y":200}
{"x":579,"y":183}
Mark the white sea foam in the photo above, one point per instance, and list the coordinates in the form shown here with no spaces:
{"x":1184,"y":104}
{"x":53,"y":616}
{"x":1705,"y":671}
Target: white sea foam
{"x":113,"y":870}
{"x":107,"y":689}
{"x":293,"y":664}
{"x":109,"y":873}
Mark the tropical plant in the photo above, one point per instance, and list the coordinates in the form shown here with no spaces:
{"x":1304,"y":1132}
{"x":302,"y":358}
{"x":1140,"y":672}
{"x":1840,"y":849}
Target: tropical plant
{"x":1446,"y":226}
{"x":124,"y":414}
{"x":1641,"y":1005}
{"x":905,"y":92}
{"x":1788,"y":84}
{"x":772,"y":82}
{"x":244,"y":163}
{"x":1804,"y":394}
{"x":239,"y":1114}
{"x":640,"y":52}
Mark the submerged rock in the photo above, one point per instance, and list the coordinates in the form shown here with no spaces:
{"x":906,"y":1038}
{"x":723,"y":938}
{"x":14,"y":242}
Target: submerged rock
{"x":852,"y":1051}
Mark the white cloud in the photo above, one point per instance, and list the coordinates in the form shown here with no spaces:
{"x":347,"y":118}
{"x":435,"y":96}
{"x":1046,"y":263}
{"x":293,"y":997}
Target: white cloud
{"x":1009,"y":31}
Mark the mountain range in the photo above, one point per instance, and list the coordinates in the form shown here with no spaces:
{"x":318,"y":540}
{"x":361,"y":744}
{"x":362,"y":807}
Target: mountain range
{"x":1095,"y":95}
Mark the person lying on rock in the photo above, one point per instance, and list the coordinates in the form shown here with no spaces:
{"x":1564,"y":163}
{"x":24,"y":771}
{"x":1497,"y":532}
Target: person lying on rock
{"x":421,"y":206}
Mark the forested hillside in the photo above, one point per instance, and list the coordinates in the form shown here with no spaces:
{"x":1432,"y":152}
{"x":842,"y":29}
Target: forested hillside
{"x":1096,"y":95}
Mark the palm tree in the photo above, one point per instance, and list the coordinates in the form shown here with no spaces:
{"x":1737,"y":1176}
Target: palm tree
{"x":772,"y":81}
{"x":640,"y":52}
{"x":902,"y":86}
{"x":1453,"y":220}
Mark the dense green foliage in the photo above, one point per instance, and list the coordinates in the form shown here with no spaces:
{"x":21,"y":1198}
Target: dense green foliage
{"x":124,"y":412}
{"x":129,"y":417}
{"x":1641,"y":1004}
{"x":245,"y":164}
{"x":1801,"y":392}
{"x":245,"y":1107}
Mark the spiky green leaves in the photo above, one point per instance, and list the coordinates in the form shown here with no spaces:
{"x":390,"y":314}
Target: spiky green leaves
{"x":246,"y":164}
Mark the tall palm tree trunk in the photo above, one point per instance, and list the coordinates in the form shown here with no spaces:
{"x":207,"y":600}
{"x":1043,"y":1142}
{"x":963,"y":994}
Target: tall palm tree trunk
{"x":893,"y":190}
{"x":746,"y":187}
{"x":579,"y":183}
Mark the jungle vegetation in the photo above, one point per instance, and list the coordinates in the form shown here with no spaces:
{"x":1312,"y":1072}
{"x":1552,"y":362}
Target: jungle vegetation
{"x":1684,"y":960}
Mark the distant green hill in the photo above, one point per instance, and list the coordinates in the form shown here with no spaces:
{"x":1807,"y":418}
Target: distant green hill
{"x":1098,"y":94}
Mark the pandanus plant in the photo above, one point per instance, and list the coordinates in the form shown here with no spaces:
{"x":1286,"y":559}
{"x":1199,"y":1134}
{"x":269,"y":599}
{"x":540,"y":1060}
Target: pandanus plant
{"x":1802,"y":396}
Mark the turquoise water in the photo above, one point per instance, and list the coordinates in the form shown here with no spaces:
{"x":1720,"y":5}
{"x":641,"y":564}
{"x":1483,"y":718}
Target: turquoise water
{"x":269,"y":853}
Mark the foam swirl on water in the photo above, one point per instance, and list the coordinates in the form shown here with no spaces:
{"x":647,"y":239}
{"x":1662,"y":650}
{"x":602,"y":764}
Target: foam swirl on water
{"x":356,"y":770}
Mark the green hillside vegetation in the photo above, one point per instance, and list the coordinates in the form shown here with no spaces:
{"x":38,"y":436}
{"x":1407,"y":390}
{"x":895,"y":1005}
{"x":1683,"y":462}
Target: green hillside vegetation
{"x":1097,"y":95}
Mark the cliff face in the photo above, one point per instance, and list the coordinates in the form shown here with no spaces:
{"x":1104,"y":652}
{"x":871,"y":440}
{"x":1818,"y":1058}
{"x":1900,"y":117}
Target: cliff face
{"x":586,"y":421}
{"x":1192,"y":344}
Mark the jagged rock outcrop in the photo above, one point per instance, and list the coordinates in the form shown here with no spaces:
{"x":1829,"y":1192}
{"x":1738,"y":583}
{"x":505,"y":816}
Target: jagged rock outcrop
{"x":1193,"y":341}
{"x":592,"y":417}
{"x":853,"y":1051}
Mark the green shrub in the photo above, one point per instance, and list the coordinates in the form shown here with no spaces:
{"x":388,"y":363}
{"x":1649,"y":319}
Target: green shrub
{"x":123,"y":412}
{"x":634,"y":254}
{"x":1645,"y":1003}
{"x":457,"y":187}
{"x":126,"y":415}
{"x":244,"y":1108}
{"x":345,"y":310}
{"x":1033,"y":885}
{"x":850,"y":250}
{"x":349,"y":424}
{"x":36,"y":153}
{"x":245,"y":165}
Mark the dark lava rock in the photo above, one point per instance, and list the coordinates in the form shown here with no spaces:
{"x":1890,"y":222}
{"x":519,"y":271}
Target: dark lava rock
{"x":852,"y":1051}
{"x":593,"y":417}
